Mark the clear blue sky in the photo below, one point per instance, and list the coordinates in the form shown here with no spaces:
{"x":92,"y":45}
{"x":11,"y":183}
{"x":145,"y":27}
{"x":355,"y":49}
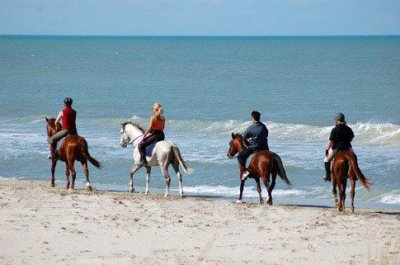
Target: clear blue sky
{"x":195,"y":17}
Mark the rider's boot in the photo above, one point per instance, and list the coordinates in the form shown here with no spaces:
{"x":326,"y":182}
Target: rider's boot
{"x":327,"y":171}
{"x":244,"y":173}
{"x":143,"y":160}
{"x":53,"y":151}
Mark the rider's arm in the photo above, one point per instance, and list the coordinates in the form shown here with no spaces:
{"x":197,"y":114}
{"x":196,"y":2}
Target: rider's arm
{"x":150,"y":126}
{"x":329,"y":144}
{"x":59,"y":117}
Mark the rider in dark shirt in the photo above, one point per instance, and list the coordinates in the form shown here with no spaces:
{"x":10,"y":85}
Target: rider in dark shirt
{"x":339,"y":140}
{"x":257,"y":137}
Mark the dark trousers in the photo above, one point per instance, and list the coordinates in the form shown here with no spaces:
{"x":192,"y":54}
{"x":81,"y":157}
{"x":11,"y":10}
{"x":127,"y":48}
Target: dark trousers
{"x":242,"y":156}
{"x":148,"y":140}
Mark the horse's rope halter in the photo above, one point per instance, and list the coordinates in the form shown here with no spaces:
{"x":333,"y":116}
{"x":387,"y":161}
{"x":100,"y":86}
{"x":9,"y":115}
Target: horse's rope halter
{"x":133,"y":140}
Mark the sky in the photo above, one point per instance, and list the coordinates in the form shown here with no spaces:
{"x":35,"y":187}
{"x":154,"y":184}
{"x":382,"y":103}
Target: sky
{"x":200,"y":18}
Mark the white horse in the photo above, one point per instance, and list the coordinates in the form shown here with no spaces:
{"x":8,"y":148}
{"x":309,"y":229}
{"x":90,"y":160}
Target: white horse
{"x":163,"y":154}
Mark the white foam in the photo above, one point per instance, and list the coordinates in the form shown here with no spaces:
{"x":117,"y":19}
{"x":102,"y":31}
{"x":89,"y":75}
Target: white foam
{"x":391,"y":198}
{"x":249,"y":191}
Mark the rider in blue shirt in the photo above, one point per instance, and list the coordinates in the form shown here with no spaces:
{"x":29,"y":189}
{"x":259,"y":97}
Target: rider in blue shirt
{"x":257,"y":137}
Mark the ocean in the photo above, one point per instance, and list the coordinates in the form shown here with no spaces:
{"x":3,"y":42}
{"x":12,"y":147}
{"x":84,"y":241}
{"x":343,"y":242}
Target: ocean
{"x":208,"y":87}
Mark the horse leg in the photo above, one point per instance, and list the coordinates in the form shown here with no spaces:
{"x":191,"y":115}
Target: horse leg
{"x":134,"y":169}
{"x":164,"y":171}
{"x":352,"y":193}
{"x":340,"y":187}
{"x":175,"y":165}
{"x":53,"y":170}
{"x":67,"y":175}
{"x":239,"y":200}
{"x":86,"y":171}
{"x":148,"y":171}
{"x":334,"y":190}
{"x":271,"y":187}
{"x":257,"y":179}
{"x":343,"y":195}
{"x":73,"y":172}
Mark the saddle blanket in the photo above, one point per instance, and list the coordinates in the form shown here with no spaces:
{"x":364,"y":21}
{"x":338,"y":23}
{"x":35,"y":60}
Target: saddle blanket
{"x":149,"y":149}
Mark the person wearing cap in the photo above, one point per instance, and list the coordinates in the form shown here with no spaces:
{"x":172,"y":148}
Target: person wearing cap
{"x":339,"y":140}
{"x":68,"y":118}
{"x":257,"y":137}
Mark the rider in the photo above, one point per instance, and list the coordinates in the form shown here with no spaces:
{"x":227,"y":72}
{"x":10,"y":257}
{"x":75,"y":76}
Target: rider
{"x":257,"y":136}
{"x":154,"y":133}
{"x":339,"y":140}
{"x":68,"y":118}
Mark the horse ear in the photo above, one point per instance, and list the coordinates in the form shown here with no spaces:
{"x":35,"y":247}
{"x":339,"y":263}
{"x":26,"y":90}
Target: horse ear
{"x":233,"y":135}
{"x":47,"y":120}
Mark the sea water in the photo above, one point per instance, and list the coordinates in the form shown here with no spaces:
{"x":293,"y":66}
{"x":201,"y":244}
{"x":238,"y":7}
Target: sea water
{"x":208,"y":87}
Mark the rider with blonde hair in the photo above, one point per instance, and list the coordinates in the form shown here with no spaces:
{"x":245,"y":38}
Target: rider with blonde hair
{"x":154,"y":133}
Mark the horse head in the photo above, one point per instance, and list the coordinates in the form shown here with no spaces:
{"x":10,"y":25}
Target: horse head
{"x":236,"y":145}
{"x":129,"y":133}
{"x":52,"y":127}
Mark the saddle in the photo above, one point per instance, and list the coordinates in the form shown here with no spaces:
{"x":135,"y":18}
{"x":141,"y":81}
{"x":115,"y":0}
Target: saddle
{"x":149,"y":149}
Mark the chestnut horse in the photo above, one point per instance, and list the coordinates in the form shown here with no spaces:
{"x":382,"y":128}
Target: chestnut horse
{"x":345,"y":166}
{"x":73,"y":148}
{"x":261,"y":165}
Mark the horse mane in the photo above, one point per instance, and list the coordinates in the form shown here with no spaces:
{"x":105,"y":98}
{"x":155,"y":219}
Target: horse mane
{"x":134,"y":124}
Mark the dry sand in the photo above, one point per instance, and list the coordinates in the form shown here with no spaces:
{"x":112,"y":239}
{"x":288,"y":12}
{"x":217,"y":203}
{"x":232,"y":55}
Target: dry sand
{"x":43,"y":225}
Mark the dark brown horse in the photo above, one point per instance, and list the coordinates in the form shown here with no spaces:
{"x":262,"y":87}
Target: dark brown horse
{"x":73,"y":148}
{"x":345,"y":166}
{"x":261,"y":165}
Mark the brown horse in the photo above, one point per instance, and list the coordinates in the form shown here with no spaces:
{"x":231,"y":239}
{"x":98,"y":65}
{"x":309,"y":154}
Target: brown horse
{"x":345,"y":166}
{"x":261,"y":165}
{"x":73,"y":148}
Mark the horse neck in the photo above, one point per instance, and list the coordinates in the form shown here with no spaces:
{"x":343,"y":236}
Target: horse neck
{"x":133,"y":133}
{"x":240,"y":146}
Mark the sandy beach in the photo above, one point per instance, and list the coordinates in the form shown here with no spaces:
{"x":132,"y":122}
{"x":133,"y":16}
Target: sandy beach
{"x":43,"y":225}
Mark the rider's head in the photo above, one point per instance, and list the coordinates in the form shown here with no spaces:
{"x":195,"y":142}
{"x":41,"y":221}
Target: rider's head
{"x":158,"y":108}
{"x":256,"y":115}
{"x":68,"y":101}
{"x":339,"y":117}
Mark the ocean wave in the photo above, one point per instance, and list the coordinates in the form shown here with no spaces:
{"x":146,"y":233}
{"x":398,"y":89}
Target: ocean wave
{"x":392,"y":197}
{"x":250,"y":191}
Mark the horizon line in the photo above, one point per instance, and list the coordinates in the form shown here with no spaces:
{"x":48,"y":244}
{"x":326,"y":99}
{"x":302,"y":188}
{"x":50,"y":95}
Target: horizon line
{"x":197,"y":36}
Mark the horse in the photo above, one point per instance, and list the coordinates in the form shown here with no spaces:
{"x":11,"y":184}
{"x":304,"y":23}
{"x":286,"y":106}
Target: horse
{"x":345,"y":166}
{"x":163,"y":154}
{"x":261,"y":165}
{"x":73,"y":148}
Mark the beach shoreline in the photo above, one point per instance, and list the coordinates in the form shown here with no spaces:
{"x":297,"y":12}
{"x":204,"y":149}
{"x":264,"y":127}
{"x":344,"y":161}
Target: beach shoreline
{"x":40,"y":224}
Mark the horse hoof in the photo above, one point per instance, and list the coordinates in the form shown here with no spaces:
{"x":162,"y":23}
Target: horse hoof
{"x":52,"y":185}
{"x":261,"y":201}
{"x":89,"y":188}
{"x":146,"y":193}
{"x":131,"y":191}
{"x":182,"y":196}
{"x":239,"y":201}
{"x":71,"y":190}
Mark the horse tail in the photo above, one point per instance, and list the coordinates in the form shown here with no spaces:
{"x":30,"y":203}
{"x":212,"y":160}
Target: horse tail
{"x":178,"y":156}
{"x":85,"y":152}
{"x":276,"y":160}
{"x":360,"y":176}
